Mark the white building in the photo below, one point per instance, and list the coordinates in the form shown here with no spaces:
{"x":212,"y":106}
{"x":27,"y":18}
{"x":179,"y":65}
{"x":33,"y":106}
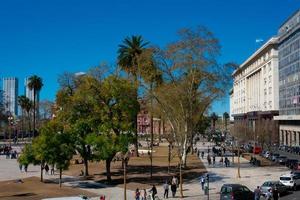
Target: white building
{"x":10,"y":95}
{"x":255,"y":87}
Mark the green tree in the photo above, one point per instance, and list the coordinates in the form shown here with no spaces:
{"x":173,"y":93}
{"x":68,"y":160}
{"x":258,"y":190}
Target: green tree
{"x":117,"y":108}
{"x":128,"y":59}
{"x":26,"y":106}
{"x":192,"y":82}
{"x":35,"y":83}
{"x":214,"y":117}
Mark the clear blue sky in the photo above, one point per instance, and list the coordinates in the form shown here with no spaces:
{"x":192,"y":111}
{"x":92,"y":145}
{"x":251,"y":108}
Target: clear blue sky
{"x":49,"y":37}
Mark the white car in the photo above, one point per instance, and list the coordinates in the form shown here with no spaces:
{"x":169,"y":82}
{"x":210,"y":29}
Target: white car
{"x":290,"y":180}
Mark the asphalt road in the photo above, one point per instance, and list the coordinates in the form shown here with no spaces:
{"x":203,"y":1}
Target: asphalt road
{"x":295,"y":195}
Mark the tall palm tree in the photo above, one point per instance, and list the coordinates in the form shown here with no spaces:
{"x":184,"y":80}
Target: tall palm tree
{"x":35,"y":83}
{"x":225,"y":117}
{"x":128,"y":55}
{"x":26,"y":106}
{"x":214,"y":117}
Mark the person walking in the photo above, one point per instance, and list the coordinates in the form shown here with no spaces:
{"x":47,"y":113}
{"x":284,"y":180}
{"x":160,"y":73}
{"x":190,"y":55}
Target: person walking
{"x":144,"y":195}
{"x":221,"y":161}
{"x":174,"y":184}
{"x":202,"y":182}
{"x":202,"y":154}
{"x":214,"y":160}
{"x":137,"y":194}
{"x":208,"y":159}
{"x":257,"y":193}
{"x":154,"y":192}
{"x":166,"y":188}
{"x":47,"y":169}
{"x":275,"y":194}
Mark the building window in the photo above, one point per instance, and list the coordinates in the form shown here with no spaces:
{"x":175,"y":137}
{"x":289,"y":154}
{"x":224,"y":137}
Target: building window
{"x":270,"y":90}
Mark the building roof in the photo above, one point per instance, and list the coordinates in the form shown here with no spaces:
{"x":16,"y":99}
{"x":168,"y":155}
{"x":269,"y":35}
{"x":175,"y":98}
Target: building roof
{"x":271,"y":41}
{"x":290,"y":17}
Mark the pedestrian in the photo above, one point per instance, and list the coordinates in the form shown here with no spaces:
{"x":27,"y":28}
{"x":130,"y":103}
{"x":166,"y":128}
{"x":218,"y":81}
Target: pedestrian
{"x":275,"y":194}
{"x":47,"y":169}
{"x":137,"y":194}
{"x":198,"y":154}
{"x":25,"y":167}
{"x":166,"y":188}
{"x":154,"y":191}
{"x":214,"y":159}
{"x":268,"y":194}
{"x":174,"y":186}
{"x":202,"y":182}
{"x":224,"y":150}
{"x":20,"y":167}
{"x":52,"y":170}
{"x":221,"y":161}
{"x":144,"y":195}
{"x":208,"y":159}
{"x":202,"y":154}
{"x":257,"y":193}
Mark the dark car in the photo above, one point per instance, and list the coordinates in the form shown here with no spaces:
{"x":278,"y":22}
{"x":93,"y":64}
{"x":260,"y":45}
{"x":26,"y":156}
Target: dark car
{"x":236,"y":192}
{"x":291,"y":163}
{"x":282,"y":189}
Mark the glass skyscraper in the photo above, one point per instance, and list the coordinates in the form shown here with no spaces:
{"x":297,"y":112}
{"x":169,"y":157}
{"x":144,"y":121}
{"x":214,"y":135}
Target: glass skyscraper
{"x":10,"y":95}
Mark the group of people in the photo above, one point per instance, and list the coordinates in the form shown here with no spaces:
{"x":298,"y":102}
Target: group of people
{"x":173,"y":184}
{"x":271,"y":194}
{"x":212,"y":159}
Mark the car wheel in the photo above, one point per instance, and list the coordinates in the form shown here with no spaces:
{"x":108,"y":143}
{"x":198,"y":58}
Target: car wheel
{"x":295,"y":187}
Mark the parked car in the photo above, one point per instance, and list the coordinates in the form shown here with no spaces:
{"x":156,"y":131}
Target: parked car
{"x":236,"y":192}
{"x":281,"y":160}
{"x":275,"y":156}
{"x":290,"y":180}
{"x":282,"y":189}
{"x":292,"y":163}
{"x":267,"y":154}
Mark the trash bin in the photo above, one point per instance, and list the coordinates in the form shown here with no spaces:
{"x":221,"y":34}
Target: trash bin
{"x":206,"y":190}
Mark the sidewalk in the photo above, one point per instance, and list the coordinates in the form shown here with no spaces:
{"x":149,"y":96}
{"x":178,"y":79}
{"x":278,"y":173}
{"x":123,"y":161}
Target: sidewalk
{"x":250,"y":176}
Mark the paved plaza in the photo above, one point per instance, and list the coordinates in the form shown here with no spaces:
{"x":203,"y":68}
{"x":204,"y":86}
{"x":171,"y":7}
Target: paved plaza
{"x":219,"y":174}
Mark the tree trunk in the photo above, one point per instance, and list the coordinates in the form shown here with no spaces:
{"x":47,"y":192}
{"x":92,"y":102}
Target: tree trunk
{"x":34,"y":111}
{"x":239,"y":172}
{"x":151,"y":145}
{"x":108,"y":174}
{"x":180,"y":178}
{"x":184,"y":152}
{"x":60,"y":175}
{"x":42,"y":170}
{"x":159,"y":129}
{"x":124,"y":165}
{"x":86,"y":167}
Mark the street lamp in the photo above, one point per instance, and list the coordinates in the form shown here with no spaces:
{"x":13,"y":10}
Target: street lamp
{"x":10,"y":123}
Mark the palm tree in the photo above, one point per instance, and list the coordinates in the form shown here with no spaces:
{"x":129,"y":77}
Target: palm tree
{"x":35,"y":83}
{"x":214,"y":117}
{"x":26,"y":106}
{"x":129,"y":52}
{"x":225,"y":117}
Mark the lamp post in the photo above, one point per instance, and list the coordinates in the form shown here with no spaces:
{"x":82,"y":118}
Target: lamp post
{"x":10,"y":123}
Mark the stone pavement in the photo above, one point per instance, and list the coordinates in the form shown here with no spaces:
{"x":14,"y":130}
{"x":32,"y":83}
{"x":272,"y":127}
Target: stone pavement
{"x":250,"y":176}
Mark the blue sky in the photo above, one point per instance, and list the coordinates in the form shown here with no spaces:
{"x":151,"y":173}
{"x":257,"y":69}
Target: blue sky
{"x":52,"y":36}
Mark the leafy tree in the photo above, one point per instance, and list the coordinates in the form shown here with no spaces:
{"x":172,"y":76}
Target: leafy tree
{"x":35,"y":83}
{"x":214,"y":117}
{"x":128,"y":59}
{"x":27,"y":156}
{"x":192,"y":82}
{"x":26,"y":106}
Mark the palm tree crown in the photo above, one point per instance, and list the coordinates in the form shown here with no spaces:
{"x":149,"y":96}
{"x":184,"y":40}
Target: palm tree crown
{"x":129,"y":51}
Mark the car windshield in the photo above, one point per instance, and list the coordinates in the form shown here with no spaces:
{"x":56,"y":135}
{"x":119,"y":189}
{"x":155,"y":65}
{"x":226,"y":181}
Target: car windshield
{"x":266,"y":184}
{"x":226,"y":190}
{"x":283,"y":178}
